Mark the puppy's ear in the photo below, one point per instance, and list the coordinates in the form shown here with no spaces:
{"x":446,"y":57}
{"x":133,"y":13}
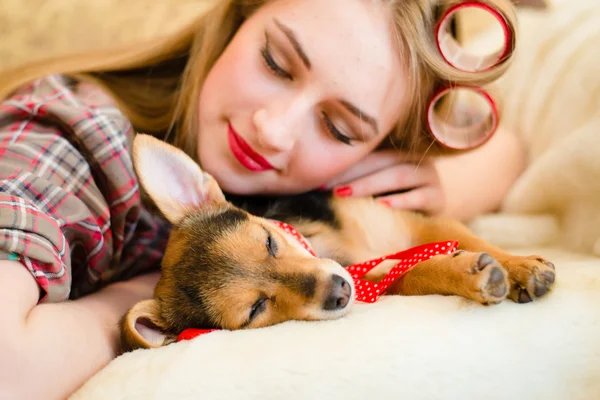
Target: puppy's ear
{"x":172,"y":179}
{"x":142,"y":327}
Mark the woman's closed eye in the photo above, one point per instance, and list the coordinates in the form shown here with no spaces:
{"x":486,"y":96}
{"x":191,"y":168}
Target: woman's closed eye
{"x":334,"y":131}
{"x":270,"y":62}
{"x":277,"y":70}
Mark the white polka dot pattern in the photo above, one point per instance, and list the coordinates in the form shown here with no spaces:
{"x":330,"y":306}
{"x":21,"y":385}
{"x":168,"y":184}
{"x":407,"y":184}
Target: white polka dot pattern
{"x":368,"y":292}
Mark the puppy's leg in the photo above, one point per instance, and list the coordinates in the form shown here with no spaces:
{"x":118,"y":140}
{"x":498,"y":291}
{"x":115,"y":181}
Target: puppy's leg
{"x":366,"y":230}
{"x":475,"y":276}
{"x":530,"y":276}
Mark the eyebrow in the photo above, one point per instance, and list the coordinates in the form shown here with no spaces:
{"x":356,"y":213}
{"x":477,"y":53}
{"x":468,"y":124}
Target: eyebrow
{"x":361,"y":114}
{"x":294,"y":41}
{"x":291,"y":35}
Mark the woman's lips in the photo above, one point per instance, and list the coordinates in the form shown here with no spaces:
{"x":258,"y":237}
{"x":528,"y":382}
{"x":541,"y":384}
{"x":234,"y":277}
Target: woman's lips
{"x":245,"y":154}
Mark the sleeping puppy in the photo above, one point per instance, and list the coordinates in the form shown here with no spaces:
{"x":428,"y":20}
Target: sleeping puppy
{"x":229,"y":264}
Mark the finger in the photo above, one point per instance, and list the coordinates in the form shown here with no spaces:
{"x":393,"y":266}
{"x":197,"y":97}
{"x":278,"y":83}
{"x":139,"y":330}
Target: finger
{"x":393,"y":179}
{"x":428,"y":199}
{"x":373,"y":162}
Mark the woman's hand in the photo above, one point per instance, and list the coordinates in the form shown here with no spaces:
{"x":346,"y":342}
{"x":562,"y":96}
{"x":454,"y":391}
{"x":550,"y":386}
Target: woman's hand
{"x":396,"y":179}
{"x":460,"y":186}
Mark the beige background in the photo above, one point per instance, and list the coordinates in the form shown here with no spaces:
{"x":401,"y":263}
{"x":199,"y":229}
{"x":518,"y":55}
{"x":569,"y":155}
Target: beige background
{"x":36,"y":29}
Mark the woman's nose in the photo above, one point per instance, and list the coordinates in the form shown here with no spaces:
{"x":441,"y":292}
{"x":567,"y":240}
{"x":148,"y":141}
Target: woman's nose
{"x":277,"y":128}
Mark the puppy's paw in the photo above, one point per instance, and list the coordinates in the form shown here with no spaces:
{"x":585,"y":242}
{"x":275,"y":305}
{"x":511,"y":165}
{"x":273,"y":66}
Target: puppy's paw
{"x":488,"y":281}
{"x":530,"y":277}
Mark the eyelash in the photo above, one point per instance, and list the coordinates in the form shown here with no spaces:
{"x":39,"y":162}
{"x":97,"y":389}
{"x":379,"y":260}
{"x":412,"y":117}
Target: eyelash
{"x":280,"y":72}
{"x":258,"y":307}
{"x":271,"y":245}
{"x":271,"y":64}
{"x":334,"y":131}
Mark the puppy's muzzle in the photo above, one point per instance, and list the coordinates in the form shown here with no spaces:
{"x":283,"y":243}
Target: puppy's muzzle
{"x":339,"y":294}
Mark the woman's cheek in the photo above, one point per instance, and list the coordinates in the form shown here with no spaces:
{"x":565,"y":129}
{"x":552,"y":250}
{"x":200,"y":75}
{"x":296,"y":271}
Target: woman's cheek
{"x":326,"y":162}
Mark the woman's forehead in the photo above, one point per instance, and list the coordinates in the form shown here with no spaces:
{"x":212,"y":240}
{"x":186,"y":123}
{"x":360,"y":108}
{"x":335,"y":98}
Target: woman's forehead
{"x":351,"y":47}
{"x":342,"y":32}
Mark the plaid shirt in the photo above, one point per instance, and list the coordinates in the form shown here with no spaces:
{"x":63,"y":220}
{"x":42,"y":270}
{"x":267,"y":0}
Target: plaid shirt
{"x":70,"y":208}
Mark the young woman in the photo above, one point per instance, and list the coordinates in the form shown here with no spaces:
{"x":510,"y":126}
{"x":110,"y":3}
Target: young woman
{"x":279,"y":96}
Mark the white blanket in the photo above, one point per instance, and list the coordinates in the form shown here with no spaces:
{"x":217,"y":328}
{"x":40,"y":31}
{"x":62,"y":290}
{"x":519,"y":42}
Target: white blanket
{"x":435,"y":347}
{"x":429,"y":347}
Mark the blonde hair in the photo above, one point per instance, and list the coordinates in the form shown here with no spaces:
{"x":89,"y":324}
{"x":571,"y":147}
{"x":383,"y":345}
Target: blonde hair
{"x":179,"y":63}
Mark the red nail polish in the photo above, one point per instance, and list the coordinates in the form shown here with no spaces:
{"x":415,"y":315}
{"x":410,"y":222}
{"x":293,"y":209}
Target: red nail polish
{"x":344,"y":191}
{"x":386,"y":203}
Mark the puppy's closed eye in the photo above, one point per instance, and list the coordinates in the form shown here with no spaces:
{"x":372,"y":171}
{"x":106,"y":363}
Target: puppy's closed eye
{"x":257,"y":308}
{"x":271,"y":244}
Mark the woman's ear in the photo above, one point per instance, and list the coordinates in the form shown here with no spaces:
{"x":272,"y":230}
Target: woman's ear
{"x":172,"y":179}
{"x":143,"y":328}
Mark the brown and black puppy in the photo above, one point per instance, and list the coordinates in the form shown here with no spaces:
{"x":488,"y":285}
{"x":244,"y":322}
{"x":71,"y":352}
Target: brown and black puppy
{"x":228,"y":265}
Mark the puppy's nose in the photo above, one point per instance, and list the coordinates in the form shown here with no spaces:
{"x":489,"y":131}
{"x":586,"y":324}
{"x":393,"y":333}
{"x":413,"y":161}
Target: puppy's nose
{"x":339,"y":294}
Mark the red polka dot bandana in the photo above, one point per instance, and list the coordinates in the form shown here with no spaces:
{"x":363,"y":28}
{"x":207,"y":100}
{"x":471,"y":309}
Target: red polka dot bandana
{"x":368,"y":292}
{"x":290,"y":230}
{"x":365,"y":291}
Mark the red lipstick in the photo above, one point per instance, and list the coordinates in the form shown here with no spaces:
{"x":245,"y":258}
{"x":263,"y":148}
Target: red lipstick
{"x":246,"y":156}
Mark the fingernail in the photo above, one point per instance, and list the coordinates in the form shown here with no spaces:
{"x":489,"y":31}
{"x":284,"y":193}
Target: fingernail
{"x":386,"y":203}
{"x":343,"y":191}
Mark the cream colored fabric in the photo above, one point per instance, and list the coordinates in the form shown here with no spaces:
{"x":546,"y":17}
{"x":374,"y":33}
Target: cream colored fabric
{"x":33,"y":30}
{"x":428,"y":347}
{"x":551,"y":98}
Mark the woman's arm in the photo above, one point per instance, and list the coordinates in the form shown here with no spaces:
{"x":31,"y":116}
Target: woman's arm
{"x":476,"y":182}
{"x":49,"y":350}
